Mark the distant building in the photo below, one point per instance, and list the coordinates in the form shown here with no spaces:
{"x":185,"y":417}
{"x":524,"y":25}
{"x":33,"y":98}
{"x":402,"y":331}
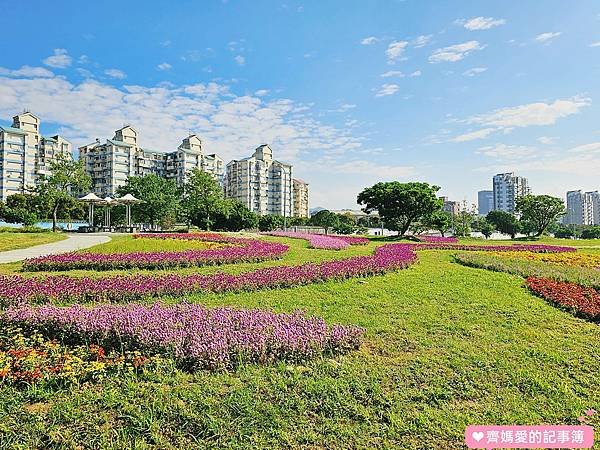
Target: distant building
{"x":507,"y":189}
{"x":485,"y":202}
{"x":582,"y":208}
{"x":261,"y":183}
{"x":450,"y":206}
{"x":300,"y":195}
{"x":25,"y":154}
{"x":110,"y":164}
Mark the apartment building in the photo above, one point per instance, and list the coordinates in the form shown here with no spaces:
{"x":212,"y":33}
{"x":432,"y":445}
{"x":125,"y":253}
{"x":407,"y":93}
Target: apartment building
{"x":583,"y":208}
{"x":450,"y":206}
{"x":262,"y":184}
{"x":300,"y":195}
{"x":25,"y":154}
{"x":507,"y":189}
{"x":111,"y":163}
{"x":485,"y":202}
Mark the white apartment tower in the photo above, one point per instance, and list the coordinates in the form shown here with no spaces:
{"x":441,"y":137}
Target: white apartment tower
{"x":300,"y":194}
{"x":25,"y":154}
{"x":262,"y":184}
{"x":583,"y":208}
{"x":111,"y":163}
{"x":507,"y":189}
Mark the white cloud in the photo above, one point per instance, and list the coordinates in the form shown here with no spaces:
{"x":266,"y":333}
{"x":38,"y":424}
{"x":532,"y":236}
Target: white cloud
{"x":166,"y":43}
{"x":531,"y":114}
{"x":474,"y":71}
{"x":83,"y":59}
{"x":454,"y":53}
{"x":421,"y":41}
{"x":240,"y":60}
{"x":546,"y":140}
{"x":387,"y":89}
{"x":547,"y":38}
{"x":370,"y":168}
{"x":395,"y":51}
{"x":60,"y":59}
{"x":473,"y":135}
{"x":595,"y":44}
{"x":480,"y":23}
{"x":369,"y":40}
{"x":115,"y":73}
{"x":27,"y":71}
{"x":416,"y":73}
{"x":392,"y":73}
{"x":594,"y":147}
{"x":164,"y":66}
{"x":261,"y":92}
{"x":503,"y":151}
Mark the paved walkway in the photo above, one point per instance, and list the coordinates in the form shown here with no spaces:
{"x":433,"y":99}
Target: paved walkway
{"x":71,"y":243}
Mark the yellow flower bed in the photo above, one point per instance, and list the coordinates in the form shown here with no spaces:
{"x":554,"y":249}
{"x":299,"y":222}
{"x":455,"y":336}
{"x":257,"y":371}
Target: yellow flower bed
{"x":568,"y":259}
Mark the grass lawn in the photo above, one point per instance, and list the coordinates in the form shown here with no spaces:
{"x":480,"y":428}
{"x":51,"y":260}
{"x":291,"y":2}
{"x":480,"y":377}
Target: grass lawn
{"x":14,"y":240}
{"x":446,"y":346}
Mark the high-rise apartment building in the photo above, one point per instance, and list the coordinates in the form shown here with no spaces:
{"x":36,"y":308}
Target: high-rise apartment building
{"x":111,"y":163}
{"x":485,"y":202}
{"x":582,"y":208}
{"x":262,"y":184}
{"x":450,"y":206}
{"x":300,"y":194}
{"x":25,"y":154}
{"x":507,"y":189}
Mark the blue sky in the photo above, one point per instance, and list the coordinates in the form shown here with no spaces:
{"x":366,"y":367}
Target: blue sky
{"x":350,"y":92}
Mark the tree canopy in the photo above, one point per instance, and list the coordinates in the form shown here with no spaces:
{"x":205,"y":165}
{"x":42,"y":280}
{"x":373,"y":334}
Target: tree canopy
{"x":325,"y":219}
{"x":201,"y":200}
{"x":504,"y":222}
{"x":439,"y":221}
{"x":401,"y":204}
{"x":539,"y":211}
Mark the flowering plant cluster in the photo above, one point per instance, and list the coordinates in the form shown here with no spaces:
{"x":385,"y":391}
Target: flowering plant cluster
{"x":240,"y":250}
{"x":568,"y":259}
{"x":197,"y":337}
{"x":438,"y":239}
{"x":581,"y":300}
{"x":323,"y":241}
{"x":17,"y":289}
{"x":30,"y":358}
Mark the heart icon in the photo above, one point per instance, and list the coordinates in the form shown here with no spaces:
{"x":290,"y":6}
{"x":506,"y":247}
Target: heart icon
{"x":477,"y":435}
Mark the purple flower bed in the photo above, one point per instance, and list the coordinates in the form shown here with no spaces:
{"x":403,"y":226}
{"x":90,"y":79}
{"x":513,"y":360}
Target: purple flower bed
{"x":438,"y":239}
{"x":320,"y":241}
{"x":242,"y":250}
{"x":536,"y":248}
{"x":196,"y":336}
{"x":18,"y":289}
{"x":352,"y":240}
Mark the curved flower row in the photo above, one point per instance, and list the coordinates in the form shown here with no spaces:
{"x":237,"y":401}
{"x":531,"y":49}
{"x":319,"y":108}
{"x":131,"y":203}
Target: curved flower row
{"x":242,"y":250}
{"x":581,"y":300}
{"x":439,"y":239}
{"x":535,"y":248}
{"x":196,"y":336}
{"x":17,"y":289}
{"x":323,"y":241}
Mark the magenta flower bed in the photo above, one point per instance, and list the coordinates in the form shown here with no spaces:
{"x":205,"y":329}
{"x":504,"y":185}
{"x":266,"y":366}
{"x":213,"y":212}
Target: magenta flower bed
{"x":438,"y":239}
{"x":17,"y":289}
{"x":536,"y":248}
{"x":352,"y":240}
{"x":196,"y":336}
{"x":320,"y":241}
{"x":242,"y":250}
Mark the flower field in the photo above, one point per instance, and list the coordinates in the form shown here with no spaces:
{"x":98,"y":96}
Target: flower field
{"x":581,"y":300}
{"x":198,"y":337}
{"x":439,"y":239}
{"x":238,"y":250}
{"x":322,"y":241}
{"x":569,"y":259}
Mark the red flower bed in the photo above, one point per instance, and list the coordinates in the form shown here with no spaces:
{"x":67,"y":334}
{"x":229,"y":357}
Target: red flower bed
{"x":583,"y":301}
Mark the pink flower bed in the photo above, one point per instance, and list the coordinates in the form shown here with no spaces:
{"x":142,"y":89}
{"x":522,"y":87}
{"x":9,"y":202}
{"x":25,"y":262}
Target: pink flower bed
{"x":242,"y":250}
{"x":438,"y":239}
{"x":322,"y":241}
{"x":196,"y":336}
{"x":536,"y":248}
{"x":18,"y":289}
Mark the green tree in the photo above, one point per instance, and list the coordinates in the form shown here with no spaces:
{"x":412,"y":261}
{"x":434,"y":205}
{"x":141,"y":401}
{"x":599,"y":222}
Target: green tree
{"x":160,"y":197}
{"x":484,"y":227}
{"x":463,"y":221}
{"x":504,"y":222}
{"x":202,"y":199}
{"x":325,"y":219}
{"x":439,"y":221}
{"x":236,"y":217}
{"x":539,"y":211}
{"x":58,"y":190}
{"x":592,"y":232}
{"x":270,"y":222}
{"x":345,"y":225}
{"x":401,"y":204}
{"x":25,"y":216}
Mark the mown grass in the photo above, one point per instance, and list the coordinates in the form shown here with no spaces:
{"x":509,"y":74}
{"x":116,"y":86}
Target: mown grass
{"x":446,"y":346}
{"x":15,"y":241}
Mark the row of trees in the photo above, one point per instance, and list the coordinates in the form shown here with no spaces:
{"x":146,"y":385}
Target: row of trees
{"x":415,"y":207}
